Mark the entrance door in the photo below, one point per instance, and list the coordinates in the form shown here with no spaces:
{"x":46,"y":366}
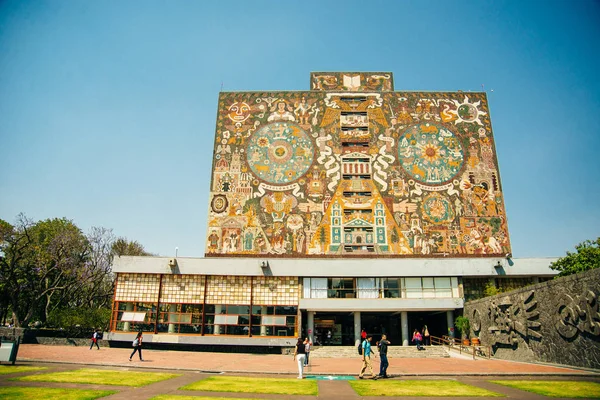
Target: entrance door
{"x":435,"y":321}
{"x":333,"y":329}
{"x":378,"y":323}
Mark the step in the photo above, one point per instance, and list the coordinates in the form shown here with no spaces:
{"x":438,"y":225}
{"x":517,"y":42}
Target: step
{"x":393,"y":352}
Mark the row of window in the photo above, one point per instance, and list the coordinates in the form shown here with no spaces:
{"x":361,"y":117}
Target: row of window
{"x":429,"y":287}
{"x":205,"y":319}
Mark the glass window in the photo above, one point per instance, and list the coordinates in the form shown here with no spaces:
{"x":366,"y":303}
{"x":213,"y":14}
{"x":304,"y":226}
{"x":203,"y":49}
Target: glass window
{"x":340,"y":288}
{"x":276,"y":321}
{"x":443,"y":287}
{"x":391,"y":287}
{"x":413,"y":288}
{"x":428,"y":287}
{"x":227,"y":319}
{"x":367,"y":288}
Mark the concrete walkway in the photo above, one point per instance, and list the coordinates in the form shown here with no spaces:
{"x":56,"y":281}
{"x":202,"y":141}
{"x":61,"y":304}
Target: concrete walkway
{"x":195,"y":366}
{"x":284,"y":364}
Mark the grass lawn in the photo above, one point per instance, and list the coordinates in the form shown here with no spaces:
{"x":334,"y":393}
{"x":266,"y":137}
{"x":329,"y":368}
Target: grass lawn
{"x":35,"y":393}
{"x":556,"y":388}
{"x":437,"y":388}
{"x":239,"y":384}
{"x":13,"y":369}
{"x":99,"y":377}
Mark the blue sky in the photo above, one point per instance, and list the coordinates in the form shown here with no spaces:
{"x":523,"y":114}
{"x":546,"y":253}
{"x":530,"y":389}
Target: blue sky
{"x":107,"y":109}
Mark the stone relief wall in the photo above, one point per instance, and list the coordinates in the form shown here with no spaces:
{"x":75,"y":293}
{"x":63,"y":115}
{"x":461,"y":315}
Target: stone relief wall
{"x":556,"y":321}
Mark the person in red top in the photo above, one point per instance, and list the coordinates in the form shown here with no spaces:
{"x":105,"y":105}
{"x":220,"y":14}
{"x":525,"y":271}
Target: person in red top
{"x":417,"y":338}
{"x":363,"y":335}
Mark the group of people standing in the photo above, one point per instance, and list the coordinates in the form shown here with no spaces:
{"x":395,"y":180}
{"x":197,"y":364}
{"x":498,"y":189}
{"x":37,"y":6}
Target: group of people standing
{"x":301,"y":353}
{"x":421,"y":339}
{"x":303,"y":347}
{"x":382,"y":345}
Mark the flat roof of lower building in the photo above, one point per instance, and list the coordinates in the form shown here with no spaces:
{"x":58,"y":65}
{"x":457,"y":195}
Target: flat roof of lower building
{"x":338,"y":267}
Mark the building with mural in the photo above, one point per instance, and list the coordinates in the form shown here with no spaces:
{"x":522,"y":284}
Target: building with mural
{"x":346,"y":206}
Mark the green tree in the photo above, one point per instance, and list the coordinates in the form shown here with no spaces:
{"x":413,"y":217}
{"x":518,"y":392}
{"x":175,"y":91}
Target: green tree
{"x":38,"y":260}
{"x":50,"y":267}
{"x":463,"y":324}
{"x":124,"y":247}
{"x":585,"y":258}
{"x":491,"y":289}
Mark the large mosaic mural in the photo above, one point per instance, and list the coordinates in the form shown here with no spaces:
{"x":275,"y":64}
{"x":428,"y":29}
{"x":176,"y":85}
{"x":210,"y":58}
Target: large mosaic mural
{"x":352,"y":167}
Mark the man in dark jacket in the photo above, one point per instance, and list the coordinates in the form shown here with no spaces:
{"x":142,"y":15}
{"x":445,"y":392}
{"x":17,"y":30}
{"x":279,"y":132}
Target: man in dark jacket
{"x":383,"y":348}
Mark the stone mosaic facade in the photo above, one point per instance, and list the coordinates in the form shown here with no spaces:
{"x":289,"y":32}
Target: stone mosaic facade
{"x":353,"y":168}
{"x":556,"y":321}
{"x":221,"y":289}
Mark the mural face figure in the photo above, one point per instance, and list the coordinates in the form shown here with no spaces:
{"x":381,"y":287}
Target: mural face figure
{"x":239,"y":112}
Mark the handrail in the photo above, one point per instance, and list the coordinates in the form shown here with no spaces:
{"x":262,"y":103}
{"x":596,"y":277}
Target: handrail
{"x":453,"y":343}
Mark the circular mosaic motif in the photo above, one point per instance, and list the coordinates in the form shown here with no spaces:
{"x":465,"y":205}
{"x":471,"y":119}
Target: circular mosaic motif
{"x":437,"y":209}
{"x":430,"y":153}
{"x":219,"y":203}
{"x":280,"y":153}
{"x":468,"y":112}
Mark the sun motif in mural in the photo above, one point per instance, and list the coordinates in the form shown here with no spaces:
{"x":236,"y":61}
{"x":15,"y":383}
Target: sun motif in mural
{"x":437,"y":209}
{"x":430,"y":153}
{"x":238,"y":112}
{"x":280,"y":153}
{"x":468,"y":112}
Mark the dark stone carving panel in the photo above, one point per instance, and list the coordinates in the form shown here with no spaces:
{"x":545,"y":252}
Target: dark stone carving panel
{"x":556,"y":321}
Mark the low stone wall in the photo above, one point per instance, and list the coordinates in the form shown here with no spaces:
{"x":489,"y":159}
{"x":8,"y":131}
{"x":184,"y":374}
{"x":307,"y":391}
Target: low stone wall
{"x":557,"y":321}
{"x":69,"y":342}
{"x":11,"y":333}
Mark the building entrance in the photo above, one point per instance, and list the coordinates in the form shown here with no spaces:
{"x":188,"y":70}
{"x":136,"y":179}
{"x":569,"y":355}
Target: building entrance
{"x":380,"y":323}
{"x":333,"y":329}
{"x":436,"y":322}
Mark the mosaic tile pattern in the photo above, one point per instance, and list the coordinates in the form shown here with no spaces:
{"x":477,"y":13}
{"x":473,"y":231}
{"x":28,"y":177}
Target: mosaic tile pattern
{"x":137,"y":287}
{"x":353,"y":168}
{"x":352,"y":81}
{"x":182,"y":289}
{"x":275,"y":290}
{"x":228,"y":290}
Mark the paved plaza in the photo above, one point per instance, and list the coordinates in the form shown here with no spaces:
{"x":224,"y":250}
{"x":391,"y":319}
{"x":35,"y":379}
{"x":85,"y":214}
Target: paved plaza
{"x":195,"y":366}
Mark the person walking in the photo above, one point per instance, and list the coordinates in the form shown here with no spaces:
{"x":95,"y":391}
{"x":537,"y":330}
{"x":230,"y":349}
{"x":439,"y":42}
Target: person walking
{"x":366,"y":355}
{"x":95,"y":336}
{"x":383,"y":348}
{"x":363,"y":335}
{"x":307,"y":346}
{"x":426,"y":338}
{"x":137,"y":346}
{"x":417,"y":339}
{"x":299,"y":355}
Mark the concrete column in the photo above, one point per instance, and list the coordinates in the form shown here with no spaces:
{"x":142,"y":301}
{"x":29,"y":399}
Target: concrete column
{"x":217,"y":328}
{"x":450,"y":322}
{"x":298,"y":329}
{"x":536,"y":279}
{"x":172,"y":317}
{"x":356,"y":326}
{"x":310,"y":325}
{"x":127,"y":325}
{"x":263,"y":329}
{"x":404,"y":324}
